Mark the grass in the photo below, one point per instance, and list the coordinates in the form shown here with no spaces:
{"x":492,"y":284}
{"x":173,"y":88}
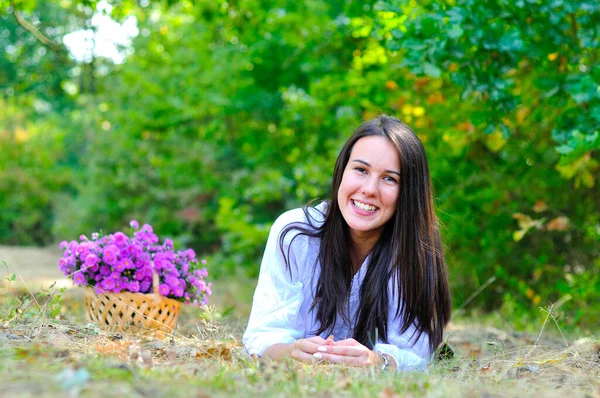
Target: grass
{"x":48,"y":348}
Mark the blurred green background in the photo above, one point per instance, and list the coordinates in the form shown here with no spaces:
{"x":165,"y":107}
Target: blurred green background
{"x":207,"y":119}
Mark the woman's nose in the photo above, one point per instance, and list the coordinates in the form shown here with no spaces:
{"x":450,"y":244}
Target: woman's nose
{"x":369,"y":187}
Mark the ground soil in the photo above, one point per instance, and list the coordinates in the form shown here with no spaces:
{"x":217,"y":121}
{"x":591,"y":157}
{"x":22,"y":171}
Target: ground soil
{"x":34,"y":266}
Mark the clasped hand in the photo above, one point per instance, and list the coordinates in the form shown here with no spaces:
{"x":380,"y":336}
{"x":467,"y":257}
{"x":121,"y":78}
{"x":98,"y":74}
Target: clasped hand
{"x":349,"y":352}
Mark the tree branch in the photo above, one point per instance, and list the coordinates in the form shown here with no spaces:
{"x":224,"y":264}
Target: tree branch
{"x":33,"y":30}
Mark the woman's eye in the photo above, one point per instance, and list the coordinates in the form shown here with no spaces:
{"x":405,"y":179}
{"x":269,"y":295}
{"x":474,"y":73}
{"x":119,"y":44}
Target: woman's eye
{"x":390,"y":179}
{"x":360,"y":170}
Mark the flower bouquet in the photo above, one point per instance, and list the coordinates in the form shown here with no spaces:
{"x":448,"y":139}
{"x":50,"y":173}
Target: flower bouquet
{"x":134,"y":281}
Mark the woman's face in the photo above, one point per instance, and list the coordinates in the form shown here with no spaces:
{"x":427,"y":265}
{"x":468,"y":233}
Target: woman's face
{"x":368,"y":193}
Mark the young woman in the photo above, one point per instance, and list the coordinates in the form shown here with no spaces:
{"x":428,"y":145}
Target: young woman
{"x":358,"y":280}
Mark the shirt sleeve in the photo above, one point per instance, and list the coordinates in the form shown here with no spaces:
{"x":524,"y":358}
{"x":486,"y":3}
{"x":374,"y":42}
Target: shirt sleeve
{"x":406,"y":359}
{"x":275,"y":316}
{"x":409,"y":352}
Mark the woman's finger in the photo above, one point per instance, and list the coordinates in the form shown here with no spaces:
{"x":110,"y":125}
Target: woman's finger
{"x":307,"y":346}
{"x":342,"y":359}
{"x":317,"y":340}
{"x":302,"y":356}
{"x":347,"y":351}
{"x":349,"y":342}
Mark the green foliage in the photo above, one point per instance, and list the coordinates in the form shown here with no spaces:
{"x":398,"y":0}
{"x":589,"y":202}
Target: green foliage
{"x":29,"y":176}
{"x":225,"y":114}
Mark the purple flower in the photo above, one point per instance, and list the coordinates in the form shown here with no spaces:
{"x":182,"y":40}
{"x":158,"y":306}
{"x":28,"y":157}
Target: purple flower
{"x":83,"y":237}
{"x":91,"y":260}
{"x":79,"y":278}
{"x":133,"y":287}
{"x":63,"y":245}
{"x":164,"y":289}
{"x":145,"y":286}
{"x":134,"y":224}
{"x":81,"y":249}
{"x":109,"y":255}
{"x":95,"y":235}
{"x":120,"y":239}
{"x":203,"y":262}
{"x":190,"y":254}
{"x":115,"y":275}
{"x":108,"y":284}
{"x":128,"y":264}
{"x":105,"y":270}
{"x":139,"y":274}
{"x":119,"y":266}
{"x":172,"y":281}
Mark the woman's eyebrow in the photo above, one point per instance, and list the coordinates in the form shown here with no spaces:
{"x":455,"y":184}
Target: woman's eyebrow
{"x":368,"y":165}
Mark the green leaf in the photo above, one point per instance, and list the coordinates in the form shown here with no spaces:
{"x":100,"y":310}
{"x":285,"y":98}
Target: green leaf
{"x":432,"y":70}
{"x":455,"y":32}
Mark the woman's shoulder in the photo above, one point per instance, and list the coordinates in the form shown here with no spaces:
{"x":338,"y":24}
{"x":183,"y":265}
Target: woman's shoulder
{"x":310,"y":217}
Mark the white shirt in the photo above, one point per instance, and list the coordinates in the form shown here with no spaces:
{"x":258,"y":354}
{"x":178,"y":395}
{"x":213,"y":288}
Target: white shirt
{"x":281,"y":305}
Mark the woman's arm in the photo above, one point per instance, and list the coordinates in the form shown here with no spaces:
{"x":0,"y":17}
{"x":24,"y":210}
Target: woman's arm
{"x":275,"y":321}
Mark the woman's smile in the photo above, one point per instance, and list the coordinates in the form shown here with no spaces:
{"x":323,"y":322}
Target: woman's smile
{"x":364,"y":207}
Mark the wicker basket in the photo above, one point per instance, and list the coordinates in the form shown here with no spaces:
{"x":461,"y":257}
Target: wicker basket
{"x":133,"y":312}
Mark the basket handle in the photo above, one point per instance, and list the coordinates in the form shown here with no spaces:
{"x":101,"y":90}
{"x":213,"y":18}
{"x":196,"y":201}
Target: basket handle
{"x":155,"y":280}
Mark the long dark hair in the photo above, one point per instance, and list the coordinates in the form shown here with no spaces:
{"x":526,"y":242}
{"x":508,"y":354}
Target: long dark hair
{"x":409,"y":250}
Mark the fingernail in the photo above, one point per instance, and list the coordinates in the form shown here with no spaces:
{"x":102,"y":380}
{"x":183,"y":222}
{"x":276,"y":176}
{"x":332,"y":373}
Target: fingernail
{"x":322,"y":349}
{"x":317,"y":355}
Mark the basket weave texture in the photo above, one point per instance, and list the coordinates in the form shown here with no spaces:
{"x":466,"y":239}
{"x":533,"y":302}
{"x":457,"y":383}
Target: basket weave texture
{"x":128,"y":311}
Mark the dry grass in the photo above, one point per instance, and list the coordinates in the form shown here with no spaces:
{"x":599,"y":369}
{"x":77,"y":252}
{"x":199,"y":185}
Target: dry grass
{"x":42,"y":355}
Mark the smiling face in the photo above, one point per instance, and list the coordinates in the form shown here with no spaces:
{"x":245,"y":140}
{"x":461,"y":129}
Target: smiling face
{"x":368,"y":193}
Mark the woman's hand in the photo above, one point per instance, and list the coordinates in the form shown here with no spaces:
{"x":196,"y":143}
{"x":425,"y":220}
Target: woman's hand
{"x":349,"y":352}
{"x":301,"y":350}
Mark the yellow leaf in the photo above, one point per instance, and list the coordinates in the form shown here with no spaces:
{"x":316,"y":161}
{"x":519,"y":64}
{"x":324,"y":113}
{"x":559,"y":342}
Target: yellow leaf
{"x":435,"y":98}
{"x":518,"y":235}
{"x":466,"y":126}
{"x":21,"y":135}
{"x":521,"y":217}
{"x":552,"y":57}
{"x":522,"y":113}
{"x":586,"y":179}
{"x":495,"y":141}
{"x":418,"y":111}
{"x":391,"y":85}
{"x":561,"y":223}
{"x":540,"y":206}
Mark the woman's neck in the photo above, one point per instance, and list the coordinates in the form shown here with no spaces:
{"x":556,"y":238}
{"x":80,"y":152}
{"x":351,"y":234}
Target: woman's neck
{"x":362,"y":244}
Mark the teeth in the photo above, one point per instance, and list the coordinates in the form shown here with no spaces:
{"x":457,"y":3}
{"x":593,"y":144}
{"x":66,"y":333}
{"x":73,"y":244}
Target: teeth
{"x":364,"y":206}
